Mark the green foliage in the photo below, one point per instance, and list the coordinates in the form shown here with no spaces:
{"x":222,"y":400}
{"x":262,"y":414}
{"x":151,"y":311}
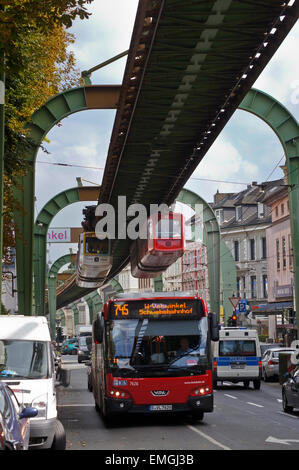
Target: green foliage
{"x":38,"y":65}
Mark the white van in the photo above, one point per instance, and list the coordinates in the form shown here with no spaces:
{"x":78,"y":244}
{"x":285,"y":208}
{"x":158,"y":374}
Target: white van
{"x":237,"y":357}
{"x":27,"y":366}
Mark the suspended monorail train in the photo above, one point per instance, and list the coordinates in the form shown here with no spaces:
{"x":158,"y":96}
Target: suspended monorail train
{"x":165,"y":243}
{"x":94,"y":260}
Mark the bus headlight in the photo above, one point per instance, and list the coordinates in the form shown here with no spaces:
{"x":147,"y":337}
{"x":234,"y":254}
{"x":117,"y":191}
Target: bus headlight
{"x":200,"y":391}
{"x":120,"y":394}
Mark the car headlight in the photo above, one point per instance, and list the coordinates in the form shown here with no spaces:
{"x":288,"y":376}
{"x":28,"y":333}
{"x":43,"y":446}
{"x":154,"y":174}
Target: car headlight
{"x":40,"y":403}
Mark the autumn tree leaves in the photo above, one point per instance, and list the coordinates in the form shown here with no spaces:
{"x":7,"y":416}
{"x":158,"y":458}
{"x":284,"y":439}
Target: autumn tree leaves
{"x":35,"y":40}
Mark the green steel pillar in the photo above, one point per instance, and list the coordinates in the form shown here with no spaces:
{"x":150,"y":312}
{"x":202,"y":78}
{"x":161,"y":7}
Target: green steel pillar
{"x":158,"y":283}
{"x":211,"y":237}
{"x":286,"y":127}
{"x":52,"y":281}
{"x":2,"y":136}
{"x":75,"y":309}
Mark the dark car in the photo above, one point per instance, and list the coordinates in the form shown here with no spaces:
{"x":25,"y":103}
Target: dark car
{"x":84,"y":351}
{"x":290,"y":391}
{"x":14,"y":421}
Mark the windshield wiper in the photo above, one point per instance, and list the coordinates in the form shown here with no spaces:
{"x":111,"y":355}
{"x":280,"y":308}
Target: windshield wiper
{"x":185,"y":354}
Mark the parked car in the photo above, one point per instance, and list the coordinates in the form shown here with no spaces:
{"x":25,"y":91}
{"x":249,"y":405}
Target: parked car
{"x":290,"y":391}
{"x":84,"y":351}
{"x":270,"y":362}
{"x":70,"y":346}
{"x":14,"y":421}
{"x":265,"y":346}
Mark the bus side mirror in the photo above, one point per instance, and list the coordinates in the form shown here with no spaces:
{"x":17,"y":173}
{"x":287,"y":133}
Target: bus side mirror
{"x":213,"y":326}
{"x":98,"y":329}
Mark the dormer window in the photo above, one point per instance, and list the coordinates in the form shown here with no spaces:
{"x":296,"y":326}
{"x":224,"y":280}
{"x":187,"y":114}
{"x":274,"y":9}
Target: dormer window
{"x":219,"y":216}
{"x":239,"y":213}
{"x":260,"y":210}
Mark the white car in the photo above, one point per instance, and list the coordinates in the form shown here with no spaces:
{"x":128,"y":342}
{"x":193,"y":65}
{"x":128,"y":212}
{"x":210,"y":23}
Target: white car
{"x":270,"y":362}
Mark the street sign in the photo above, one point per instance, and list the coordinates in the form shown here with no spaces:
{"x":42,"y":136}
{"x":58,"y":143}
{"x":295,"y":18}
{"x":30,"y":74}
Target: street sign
{"x":242,"y":305}
{"x":234,"y":301}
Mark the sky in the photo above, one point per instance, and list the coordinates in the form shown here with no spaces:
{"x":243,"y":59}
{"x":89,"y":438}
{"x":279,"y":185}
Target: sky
{"x":247,"y":150}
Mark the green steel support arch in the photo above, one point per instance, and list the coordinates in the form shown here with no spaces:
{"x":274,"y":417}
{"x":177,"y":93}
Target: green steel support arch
{"x":41,"y":226}
{"x":52,"y":279}
{"x":286,"y":127}
{"x":216,"y":251}
{"x":95,"y":304}
{"x":57,"y":108}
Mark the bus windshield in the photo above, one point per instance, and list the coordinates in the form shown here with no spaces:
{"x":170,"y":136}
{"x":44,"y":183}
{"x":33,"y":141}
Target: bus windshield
{"x":147,"y":345}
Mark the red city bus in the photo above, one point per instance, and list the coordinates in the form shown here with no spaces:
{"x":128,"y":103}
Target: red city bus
{"x":152,"y":353}
{"x":165,"y":243}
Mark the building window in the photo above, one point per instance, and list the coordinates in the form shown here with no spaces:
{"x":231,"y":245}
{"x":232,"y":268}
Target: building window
{"x":236,"y":250}
{"x":219,"y":216}
{"x":282,"y":209}
{"x":277,"y":255}
{"x":284,"y":253}
{"x":260,"y":210}
{"x":265,"y":286}
{"x":244,"y":286}
{"x":264,"y":248}
{"x":252,"y":248}
{"x":290,"y":251}
{"x":276,"y":211}
{"x":239,"y":213}
{"x":253,"y":286}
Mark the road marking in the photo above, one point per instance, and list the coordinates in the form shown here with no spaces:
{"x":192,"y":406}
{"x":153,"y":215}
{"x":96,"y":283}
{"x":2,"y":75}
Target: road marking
{"x":213,"y":441}
{"x":254,"y":404}
{"x":230,"y":396}
{"x":279,"y":400}
{"x":275,"y":440}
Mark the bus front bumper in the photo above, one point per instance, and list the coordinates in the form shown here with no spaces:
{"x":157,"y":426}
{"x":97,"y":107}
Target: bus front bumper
{"x":203,"y":404}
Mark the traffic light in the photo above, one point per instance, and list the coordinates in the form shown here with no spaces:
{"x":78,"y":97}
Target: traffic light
{"x":234,"y":320}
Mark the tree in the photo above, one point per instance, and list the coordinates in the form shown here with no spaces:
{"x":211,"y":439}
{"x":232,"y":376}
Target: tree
{"x":38,"y":65}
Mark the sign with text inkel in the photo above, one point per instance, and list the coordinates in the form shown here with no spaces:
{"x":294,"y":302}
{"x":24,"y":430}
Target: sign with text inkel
{"x":59,"y":235}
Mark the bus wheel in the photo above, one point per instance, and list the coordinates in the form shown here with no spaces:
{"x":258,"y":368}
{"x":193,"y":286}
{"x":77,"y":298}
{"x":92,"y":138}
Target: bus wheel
{"x":246,"y":383}
{"x":257,"y":384}
{"x":198,"y":415}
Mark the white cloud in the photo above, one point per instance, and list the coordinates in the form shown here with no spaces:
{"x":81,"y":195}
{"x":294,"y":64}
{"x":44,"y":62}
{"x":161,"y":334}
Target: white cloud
{"x":282,"y":72}
{"x":223,"y":161}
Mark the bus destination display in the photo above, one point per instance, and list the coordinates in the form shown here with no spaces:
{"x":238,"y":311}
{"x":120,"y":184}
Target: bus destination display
{"x":168,"y":308}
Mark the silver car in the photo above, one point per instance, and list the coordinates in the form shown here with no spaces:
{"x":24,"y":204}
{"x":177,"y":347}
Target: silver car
{"x":270,"y":362}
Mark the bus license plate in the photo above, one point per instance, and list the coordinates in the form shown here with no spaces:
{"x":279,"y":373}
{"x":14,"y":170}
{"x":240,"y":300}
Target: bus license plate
{"x":237,"y":366}
{"x":160,"y":407}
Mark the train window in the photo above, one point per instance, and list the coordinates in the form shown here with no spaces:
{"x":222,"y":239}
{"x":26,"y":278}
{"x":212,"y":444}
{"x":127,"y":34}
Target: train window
{"x":94,"y":246}
{"x":169,"y":228}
